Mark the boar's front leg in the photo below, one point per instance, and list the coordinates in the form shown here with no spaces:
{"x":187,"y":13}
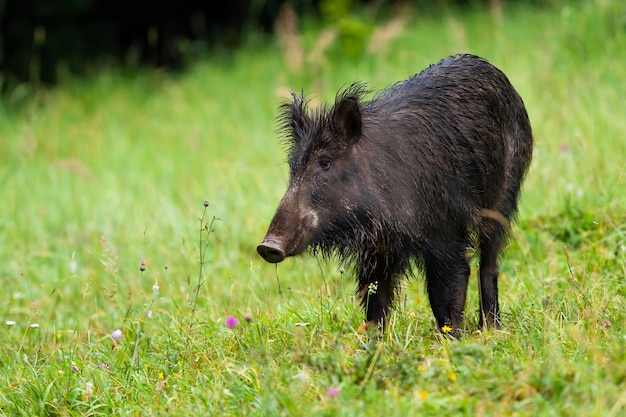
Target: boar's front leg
{"x":377,"y":276}
{"x":447,"y":275}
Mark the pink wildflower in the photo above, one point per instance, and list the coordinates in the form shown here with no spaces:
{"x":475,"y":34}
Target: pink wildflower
{"x":332,"y":392}
{"x":232,"y":322}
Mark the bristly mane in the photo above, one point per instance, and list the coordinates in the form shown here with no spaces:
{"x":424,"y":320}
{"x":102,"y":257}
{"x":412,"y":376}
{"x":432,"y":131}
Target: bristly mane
{"x":297,"y":121}
{"x":357,"y":89}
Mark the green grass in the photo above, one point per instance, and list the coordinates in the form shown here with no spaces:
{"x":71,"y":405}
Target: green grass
{"x":98,"y":175}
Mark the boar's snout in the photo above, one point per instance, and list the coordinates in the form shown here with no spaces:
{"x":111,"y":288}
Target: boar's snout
{"x":271,"y":251}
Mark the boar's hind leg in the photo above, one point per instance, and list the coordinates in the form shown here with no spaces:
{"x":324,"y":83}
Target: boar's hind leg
{"x":490,"y":244}
{"x":446,"y":282}
{"x":377,"y":275}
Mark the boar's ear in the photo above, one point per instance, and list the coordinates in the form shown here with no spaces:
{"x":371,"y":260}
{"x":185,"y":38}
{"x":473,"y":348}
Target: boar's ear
{"x":347,"y":119}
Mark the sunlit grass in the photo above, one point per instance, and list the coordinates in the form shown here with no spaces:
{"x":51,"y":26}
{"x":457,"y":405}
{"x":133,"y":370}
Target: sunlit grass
{"x":99,"y":175}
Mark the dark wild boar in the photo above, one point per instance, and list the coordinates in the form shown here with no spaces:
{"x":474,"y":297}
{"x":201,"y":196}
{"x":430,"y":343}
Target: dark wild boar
{"x":423,"y":171}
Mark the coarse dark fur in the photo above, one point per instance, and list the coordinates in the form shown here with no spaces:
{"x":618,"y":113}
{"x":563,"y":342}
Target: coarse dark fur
{"x":422,"y":172}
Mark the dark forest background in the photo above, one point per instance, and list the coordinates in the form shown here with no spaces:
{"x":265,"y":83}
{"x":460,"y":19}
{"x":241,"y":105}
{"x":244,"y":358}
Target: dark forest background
{"x":40,"y":39}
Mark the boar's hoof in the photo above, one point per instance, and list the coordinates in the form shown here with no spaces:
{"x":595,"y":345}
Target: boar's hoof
{"x":271,"y":252}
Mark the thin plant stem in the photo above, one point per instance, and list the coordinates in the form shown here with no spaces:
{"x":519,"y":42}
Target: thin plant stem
{"x":203,"y":241}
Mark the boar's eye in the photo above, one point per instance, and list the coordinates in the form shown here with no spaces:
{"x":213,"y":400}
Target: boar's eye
{"x":325,"y":162}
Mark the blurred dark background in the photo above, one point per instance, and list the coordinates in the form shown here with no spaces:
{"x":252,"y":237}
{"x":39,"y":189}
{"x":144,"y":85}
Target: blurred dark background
{"x":40,"y":40}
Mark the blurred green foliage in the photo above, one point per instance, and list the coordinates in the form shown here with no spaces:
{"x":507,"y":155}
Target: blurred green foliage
{"x":42,"y":42}
{"x":354,"y":30}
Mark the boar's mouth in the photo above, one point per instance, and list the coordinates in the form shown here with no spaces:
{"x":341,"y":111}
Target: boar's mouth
{"x":274,"y":249}
{"x":271,"y":251}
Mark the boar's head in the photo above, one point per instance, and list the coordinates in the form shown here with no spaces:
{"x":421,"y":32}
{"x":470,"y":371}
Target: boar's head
{"x":324,"y":182}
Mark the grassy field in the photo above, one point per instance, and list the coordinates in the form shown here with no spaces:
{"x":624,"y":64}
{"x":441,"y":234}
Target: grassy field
{"x":123,"y":295}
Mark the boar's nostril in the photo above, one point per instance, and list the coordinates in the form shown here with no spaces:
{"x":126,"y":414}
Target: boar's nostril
{"x":271,"y":252}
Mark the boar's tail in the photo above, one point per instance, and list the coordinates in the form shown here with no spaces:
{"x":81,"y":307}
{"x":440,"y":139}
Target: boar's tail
{"x":498,"y":217}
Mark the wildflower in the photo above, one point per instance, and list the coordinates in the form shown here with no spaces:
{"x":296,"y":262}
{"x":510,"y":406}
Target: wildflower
{"x":452,"y":377}
{"x":232,"y":322}
{"x":155,"y":290}
{"x":332,"y":392}
{"x":10,"y":323}
{"x":74,"y":367}
{"x":73,"y":266}
{"x":34,"y":326}
{"x":420,"y":368}
{"x":142,"y":267}
{"x":247,"y":317}
{"x":162,"y":386}
{"x":88,"y":390}
{"x":149,"y":314}
{"x":446,"y":329}
{"x":206,"y":203}
{"x":117,"y":334}
{"x":423,"y":395}
{"x":302,"y":376}
{"x":372,"y":288}
{"x":606,"y":324}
